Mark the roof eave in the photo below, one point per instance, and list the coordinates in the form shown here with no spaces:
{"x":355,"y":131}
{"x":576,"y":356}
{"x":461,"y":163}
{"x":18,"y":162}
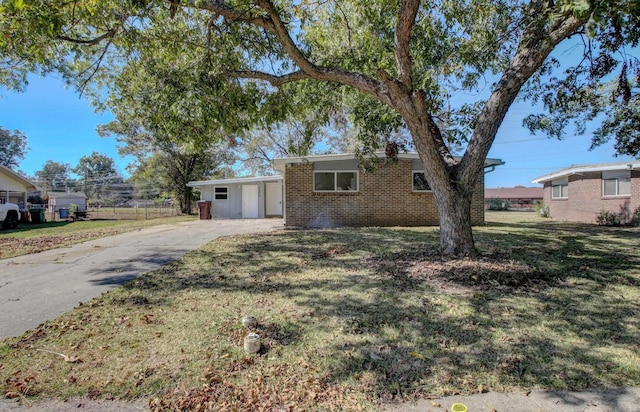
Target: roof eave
{"x":572,"y":170}
{"x":280,"y":163}
{"x":235,"y":181}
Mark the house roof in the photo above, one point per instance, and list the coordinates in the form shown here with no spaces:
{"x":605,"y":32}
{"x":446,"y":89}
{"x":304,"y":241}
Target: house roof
{"x":236,"y":181}
{"x":29,"y":185}
{"x":279,"y":164}
{"x":513,"y":193}
{"x":596,"y":167}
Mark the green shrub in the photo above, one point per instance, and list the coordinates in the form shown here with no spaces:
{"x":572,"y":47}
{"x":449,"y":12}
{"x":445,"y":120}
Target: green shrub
{"x":635,"y":217}
{"x":497,"y":204}
{"x":606,"y":218}
{"x":541,"y":209}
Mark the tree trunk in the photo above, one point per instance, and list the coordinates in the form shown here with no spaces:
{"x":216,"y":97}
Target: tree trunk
{"x":188,"y":191}
{"x":452,"y":192}
{"x":454,"y":211}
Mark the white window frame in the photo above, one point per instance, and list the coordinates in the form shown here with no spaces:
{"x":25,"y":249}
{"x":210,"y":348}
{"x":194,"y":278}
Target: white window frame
{"x":335,"y":181}
{"x":562,"y":183}
{"x":616,"y":175}
{"x":413,"y":188}
{"x":226,"y":193}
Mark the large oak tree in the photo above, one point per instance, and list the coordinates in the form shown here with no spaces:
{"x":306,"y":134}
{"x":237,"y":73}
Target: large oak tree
{"x":394,"y":63}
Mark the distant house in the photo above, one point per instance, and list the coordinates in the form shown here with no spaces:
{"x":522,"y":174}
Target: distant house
{"x":512,"y":198}
{"x":333,"y":190}
{"x":242,"y":198}
{"x":63,"y":200}
{"x":579,"y":192}
{"x":14,"y":187}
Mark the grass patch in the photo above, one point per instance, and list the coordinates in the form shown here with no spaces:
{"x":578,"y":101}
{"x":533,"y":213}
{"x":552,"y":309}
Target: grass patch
{"x":33,"y":238}
{"x":350,"y":317}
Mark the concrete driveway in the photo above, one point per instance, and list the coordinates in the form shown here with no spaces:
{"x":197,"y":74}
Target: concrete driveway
{"x":39,"y":287}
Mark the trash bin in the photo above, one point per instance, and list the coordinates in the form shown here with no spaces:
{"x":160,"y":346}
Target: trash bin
{"x":204,"y":209}
{"x":37,"y":214}
{"x":64,"y":213}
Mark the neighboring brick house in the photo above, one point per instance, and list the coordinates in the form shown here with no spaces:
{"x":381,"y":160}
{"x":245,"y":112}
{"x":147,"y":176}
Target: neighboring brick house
{"x":580,"y":192}
{"x":512,"y":198}
{"x":333,"y":190}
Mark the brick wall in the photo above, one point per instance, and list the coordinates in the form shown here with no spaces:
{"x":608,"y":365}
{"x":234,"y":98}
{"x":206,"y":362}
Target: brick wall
{"x":585,"y":198}
{"x":385,"y":198}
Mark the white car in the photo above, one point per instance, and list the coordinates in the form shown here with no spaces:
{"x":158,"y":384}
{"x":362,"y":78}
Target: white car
{"x":9,"y":215}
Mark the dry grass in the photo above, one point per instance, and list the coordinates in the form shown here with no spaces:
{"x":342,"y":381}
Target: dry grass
{"x":350,"y":317}
{"x":34,"y":238}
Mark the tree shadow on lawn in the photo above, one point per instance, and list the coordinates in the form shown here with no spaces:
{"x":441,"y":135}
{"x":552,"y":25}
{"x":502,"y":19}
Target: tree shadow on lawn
{"x":549,"y":307}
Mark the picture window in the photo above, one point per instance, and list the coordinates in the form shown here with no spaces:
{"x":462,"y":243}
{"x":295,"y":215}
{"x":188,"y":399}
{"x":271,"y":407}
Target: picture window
{"x":335,"y":181}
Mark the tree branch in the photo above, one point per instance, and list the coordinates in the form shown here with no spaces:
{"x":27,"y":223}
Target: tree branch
{"x":91,"y":42}
{"x":534,"y":48}
{"x":274,"y":24}
{"x":221,"y":8}
{"x":274,"y":80}
{"x":406,"y":20}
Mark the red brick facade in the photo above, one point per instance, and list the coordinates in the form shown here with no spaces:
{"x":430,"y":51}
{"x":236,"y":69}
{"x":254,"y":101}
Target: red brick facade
{"x":585,"y":199}
{"x":385,"y":198}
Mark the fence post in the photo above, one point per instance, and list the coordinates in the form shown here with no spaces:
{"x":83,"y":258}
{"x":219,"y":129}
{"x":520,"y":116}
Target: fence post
{"x":145,"y":212}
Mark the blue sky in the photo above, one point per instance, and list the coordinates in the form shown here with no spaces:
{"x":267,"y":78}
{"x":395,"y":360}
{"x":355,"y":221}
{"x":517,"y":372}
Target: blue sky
{"x":61,"y":126}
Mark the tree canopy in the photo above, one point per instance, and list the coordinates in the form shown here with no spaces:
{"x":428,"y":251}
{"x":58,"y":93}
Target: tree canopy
{"x":54,"y":176}
{"x":13,"y":147}
{"x":97,"y":176}
{"x":392,"y":64}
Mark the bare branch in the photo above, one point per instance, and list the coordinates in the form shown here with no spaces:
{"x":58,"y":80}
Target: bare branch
{"x":91,"y":42}
{"x":406,"y":21}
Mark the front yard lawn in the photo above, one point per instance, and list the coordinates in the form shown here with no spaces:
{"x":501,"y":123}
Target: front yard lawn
{"x":349,"y":318}
{"x":34,"y":238}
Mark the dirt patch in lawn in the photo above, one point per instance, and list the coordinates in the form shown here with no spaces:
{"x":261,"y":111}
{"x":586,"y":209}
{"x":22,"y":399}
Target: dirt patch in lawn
{"x":496,"y":272}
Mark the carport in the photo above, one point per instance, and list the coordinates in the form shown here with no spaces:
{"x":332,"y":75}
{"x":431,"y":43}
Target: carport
{"x":14,"y":187}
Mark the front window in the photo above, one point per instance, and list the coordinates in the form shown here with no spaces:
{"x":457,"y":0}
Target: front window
{"x":420,"y":183}
{"x":335,"y":181}
{"x":616,"y":183}
{"x":220,"y":193}
{"x":560,"y":189}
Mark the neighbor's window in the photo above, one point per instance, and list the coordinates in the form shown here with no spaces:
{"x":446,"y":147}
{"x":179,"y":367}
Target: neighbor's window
{"x":420,"y":183}
{"x":335,"y":181}
{"x":616,"y":183}
{"x":560,"y":189}
{"x":220,"y":193}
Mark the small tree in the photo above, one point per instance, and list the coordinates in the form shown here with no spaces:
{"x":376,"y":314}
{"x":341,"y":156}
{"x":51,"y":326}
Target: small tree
{"x":54,"y":176}
{"x":97,"y":174}
{"x":13,"y":147}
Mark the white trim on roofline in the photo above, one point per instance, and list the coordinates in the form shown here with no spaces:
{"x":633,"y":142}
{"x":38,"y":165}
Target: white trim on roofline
{"x":235,"y":181}
{"x":279,"y":164}
{"x":19,"y":178}
{"x":577,"y":169}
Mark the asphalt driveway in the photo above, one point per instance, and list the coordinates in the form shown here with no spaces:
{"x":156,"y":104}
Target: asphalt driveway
{"x":39,"y":287}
